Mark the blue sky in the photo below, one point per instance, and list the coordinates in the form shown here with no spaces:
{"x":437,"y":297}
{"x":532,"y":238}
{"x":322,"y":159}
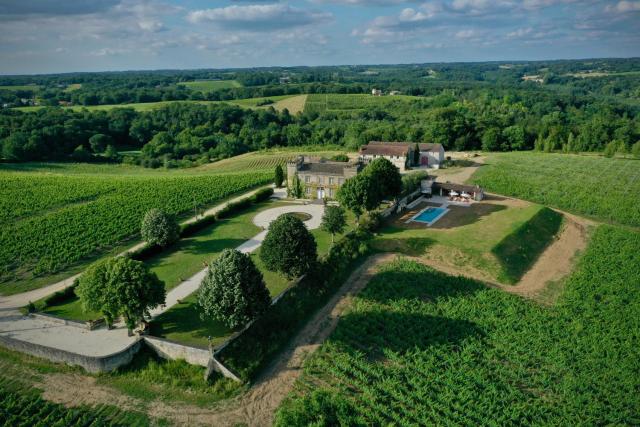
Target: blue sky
{"x":44,"y":36}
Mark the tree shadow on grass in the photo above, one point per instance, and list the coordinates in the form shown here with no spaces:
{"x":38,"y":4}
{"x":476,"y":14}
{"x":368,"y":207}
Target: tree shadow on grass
{"x":374,"y":333}
{"x":183,"y":323}
{"x":202,"y":247}
{"x":405,"y":280}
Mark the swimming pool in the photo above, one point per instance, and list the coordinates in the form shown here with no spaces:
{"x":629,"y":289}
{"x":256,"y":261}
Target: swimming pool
{"x":430,"y":215}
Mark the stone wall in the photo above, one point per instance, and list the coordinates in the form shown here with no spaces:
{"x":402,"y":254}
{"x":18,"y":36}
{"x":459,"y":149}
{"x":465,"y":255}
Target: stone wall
{"x":173,"y":351}
{"x":90,"y":363}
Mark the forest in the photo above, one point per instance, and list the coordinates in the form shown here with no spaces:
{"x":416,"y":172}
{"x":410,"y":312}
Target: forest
{"x":576,"y":106}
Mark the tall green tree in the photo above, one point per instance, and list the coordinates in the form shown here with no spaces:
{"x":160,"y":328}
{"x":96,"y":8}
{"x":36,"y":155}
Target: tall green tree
{"x":233,"y":290}
{"x":159,"y":228}
{"x":289,"y":247}
{"x":333,"y":220}
{"x":386,"y":178}
{"x":359,"y":194}
{"x":278,"y":176}
{"x":120,"y":286}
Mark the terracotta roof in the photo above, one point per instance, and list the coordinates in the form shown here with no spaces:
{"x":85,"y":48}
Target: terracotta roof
{"x":423,"y":146}
{"x":385,"y":150}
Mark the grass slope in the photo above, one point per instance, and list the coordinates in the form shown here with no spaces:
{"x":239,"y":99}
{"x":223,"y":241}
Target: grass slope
{"x":597,"y":187}
{"x":492,"y":238}
{"x":419,"y":347}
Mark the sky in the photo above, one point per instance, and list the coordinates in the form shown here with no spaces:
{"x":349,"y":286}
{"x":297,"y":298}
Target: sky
{"x":53,"y":36}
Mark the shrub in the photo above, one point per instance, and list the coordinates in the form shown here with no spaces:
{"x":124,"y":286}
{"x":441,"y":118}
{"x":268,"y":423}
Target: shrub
{"x":289,"y":247}
{"x":233,"y":290}
{"x":159,"y":228}
{"x":262,"y":195}
{"x":340,"y":158}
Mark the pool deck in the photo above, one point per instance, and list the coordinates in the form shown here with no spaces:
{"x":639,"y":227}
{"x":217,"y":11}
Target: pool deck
{"x":441,"y":202}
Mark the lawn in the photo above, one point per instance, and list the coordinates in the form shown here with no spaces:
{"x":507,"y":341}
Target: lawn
{"x":182,"y":323}
{"x":497,"y":239}
{"x":593,"y":186}
{"x":418,"y":347}
{"x":210,"y":85}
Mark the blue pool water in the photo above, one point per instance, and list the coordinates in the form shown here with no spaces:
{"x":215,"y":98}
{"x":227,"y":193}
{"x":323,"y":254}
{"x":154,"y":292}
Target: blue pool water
{"x":429,"y":214}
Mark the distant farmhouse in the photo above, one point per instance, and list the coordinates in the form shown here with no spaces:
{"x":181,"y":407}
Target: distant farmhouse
{"x":403,"y":154}
{"x":376,"y":92}
{"x":320,"y":178}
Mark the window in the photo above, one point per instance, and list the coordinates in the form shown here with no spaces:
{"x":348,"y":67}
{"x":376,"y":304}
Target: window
{"x":308,"y":190}
{"x":330,"y":192}
{"x":330,"y":180}
{"x":319,"y":180}
{"x":307,"y":179}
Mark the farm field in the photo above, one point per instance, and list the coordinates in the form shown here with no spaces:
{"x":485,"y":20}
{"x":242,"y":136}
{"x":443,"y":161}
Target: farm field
{"x":20,"y":87}
{"x":352,"y":102}
{"x":268,"y":159}
{"x":210,"y":85}
{"x":54,"y":222}
{"x":21,"y":406}
{"x":596,"y":187}
{"x":418,"y":347}
{"x":148,"y":106}
{"x":497,"y":239}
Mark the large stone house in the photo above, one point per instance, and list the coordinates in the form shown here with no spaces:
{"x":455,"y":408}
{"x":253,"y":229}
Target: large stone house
{"x":402,"y":154}
{"x":319,"y":178}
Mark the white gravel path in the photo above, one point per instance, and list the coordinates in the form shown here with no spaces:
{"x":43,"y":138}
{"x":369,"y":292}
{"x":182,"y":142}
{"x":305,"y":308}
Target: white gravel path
{"x":103,"y":342}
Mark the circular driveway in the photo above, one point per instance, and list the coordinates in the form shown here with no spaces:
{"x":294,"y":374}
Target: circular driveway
{"x":264,"y":218}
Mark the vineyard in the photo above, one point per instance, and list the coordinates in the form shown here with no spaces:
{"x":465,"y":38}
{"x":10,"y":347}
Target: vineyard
{"x":210,"y":85}
{"x":22,"y":408}
{"x":419,"y":347}
{"x":263,"y":160}
{"x":319,"y":103}
{"x":49,"y":222}
{"x":598,"y":187}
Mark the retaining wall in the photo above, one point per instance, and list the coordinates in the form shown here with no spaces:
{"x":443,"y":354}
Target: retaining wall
{"x":172,"y":351}
{"x":90,"y":363}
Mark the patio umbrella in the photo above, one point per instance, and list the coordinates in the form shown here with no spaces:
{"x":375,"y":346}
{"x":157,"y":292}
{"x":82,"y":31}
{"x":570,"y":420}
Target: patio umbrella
{"x":453,"y":193}
{"x":465,"y":194}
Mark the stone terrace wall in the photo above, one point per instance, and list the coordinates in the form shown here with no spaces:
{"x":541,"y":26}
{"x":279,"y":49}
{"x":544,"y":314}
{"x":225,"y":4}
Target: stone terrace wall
{"x":90,"y":363}
{"x":171,"y":350}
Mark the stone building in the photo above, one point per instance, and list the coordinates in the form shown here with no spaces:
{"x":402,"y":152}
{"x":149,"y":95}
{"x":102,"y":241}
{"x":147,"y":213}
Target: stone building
{"x":319,"y":178}
{"x":402,"y":154}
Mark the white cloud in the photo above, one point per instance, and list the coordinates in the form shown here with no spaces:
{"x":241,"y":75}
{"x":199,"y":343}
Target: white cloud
{"x":258,"y":17}
{"x":625,"y":6}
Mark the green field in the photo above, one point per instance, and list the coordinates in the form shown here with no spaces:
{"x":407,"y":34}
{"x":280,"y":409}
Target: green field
{"x":211,"y":85}
{"x":148,"y":106}
{"x":597,"y":187}
{"x":53,"y":221}
{"x":418,"y":347}
{"x":352,"y":102}
{"x":34,"y":88}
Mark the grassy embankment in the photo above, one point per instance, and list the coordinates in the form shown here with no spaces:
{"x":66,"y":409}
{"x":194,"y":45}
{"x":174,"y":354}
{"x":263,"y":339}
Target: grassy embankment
{"x":497,"y":240}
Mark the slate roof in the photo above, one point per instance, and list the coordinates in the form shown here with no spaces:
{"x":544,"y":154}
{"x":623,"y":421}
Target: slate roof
{"x":326,"y":168}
